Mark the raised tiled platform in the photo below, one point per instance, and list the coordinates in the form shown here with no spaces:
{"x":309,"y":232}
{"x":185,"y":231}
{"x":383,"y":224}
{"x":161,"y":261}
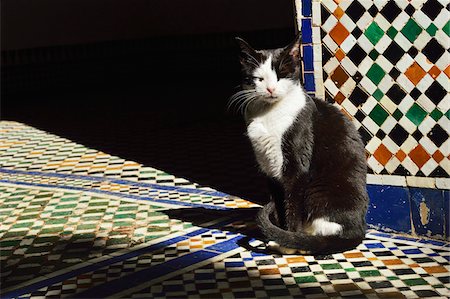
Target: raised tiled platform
{"x":79,"y":223}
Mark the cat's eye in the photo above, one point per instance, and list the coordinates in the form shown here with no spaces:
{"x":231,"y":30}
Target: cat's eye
{"x":258,"y":79}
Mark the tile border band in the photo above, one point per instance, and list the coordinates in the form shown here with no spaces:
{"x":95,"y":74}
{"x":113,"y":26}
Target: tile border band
{"x":91,"y":265}
{"x":116,"y":194}
{"x":114,"y":181}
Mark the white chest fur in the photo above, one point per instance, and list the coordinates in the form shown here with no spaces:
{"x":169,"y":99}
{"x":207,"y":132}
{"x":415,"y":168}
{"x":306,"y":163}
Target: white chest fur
{"x":266,"y":132}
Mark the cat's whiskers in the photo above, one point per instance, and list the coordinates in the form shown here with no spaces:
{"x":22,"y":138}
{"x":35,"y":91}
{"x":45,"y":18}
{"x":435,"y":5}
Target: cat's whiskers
{"x":240,"y":95}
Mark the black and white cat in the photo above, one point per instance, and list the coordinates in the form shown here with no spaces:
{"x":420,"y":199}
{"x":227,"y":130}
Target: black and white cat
{"x":311,"y":153}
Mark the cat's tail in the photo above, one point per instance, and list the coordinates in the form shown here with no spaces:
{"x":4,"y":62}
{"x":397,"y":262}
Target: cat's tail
{"x":300,"y":240}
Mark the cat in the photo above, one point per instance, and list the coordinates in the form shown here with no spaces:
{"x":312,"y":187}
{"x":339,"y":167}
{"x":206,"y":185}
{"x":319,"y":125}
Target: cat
{"x":310,"y":151}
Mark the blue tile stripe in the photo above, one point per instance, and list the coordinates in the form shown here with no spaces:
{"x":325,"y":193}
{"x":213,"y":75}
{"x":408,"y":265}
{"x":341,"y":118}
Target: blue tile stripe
{"x":117,"y":194}
{"x":143,"y":276}
{"x":219,"y":248}
{"x":114,"y":181}
{"x":307,"y":46}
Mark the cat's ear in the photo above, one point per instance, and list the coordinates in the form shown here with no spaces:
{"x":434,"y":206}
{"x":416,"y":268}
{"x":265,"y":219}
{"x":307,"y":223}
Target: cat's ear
{"x":245,"y":47}
{"x":294,"y":47}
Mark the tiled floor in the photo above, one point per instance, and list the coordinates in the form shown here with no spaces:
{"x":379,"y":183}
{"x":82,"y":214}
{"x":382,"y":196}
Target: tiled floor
{"x":79,"y":223}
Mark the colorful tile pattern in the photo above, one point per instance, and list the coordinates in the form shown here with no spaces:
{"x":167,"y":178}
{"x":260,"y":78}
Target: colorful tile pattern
{"x":386,"y":64}
{"x":71,"y":233}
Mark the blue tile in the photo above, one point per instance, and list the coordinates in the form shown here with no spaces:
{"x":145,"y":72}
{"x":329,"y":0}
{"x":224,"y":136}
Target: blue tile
{"x":412,"y":251}
{"x":374,"y":245}
{"x":225,"y":246}
{"x":427,"y":210}
{"x":306,"y":31}
{"x":306,"y":8}
{"x":234,"y":264}
{"x":309,"y":82}
{"x":446,"y":213}
{"x":389,"y":208}
{"x":308,"y":59}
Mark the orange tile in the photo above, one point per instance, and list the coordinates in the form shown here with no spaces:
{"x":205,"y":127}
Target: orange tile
{"x":392,"y":262}
{"x":339,"y":33}
{"x":339,"y":98}
{"x":414,"y":265}
{"x":435,"y":269}
{"x":438,"y":156}
{"x":339,"y":76}
{"x":372,"y":259}
{"x":415,"y":73}
{"x":400,"y":155}
{"x":447,"y":71}
{"x":344,"y":287}
{"x":339,"y":54}
{"x":350,"y":255}
{"x":382,"y":154}
{"x":269,"y":271}
{"x":419,"y":155}
{"x":297,"y":259}
{"x":338,"y":13}
{"x":434,"y":72}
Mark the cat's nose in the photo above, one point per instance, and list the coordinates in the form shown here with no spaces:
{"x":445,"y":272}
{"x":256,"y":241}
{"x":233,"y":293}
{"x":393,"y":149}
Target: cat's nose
{"x":270,"y":90}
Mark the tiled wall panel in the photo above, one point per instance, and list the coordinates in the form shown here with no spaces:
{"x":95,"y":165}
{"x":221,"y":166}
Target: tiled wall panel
{"x":386,"y":64}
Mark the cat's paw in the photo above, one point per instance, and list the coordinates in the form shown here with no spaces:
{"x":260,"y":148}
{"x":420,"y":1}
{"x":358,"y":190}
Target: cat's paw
{"x":274,"y":246}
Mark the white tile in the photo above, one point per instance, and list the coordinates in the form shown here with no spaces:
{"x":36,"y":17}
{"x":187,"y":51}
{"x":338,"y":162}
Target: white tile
{"x":426,"y":103}
{"x":365,"y":43}
{"x":385,"y":84}
{"x":388,"y":104}
{"x":348,"y":65}
{"x":404,"y":83}
{"x":317,"y":39}
{"x":348,"y":43}
{"x":349,"y":107}
{"x":410,"y":165}
{"x":374,"y":164}
{"x":428,"y":167}
{"x":317,"y":54}
{"x":383,"y":44}
{"x":444,"y":122}
{"x":347,"y":22}
{"x":394,"y":180}
{"x":413,"y":181}
{"x":444,"y":105}
{"x":365,"y":20}
{"x":405,"y":104}
{"x":373,"y":144}
{"x":368,"y":106}
{"x":443,"y":183}
{"x":423,"y":84}
{"x":374,"y":179}
{"x":382,"y":22}
{"x":409,"y":144}
{"x":442,"y":18}
{"x":422,"y":40}
{"x":422,"y":19}
{"x":423,"y":62}
{"x":385,"y":64}
{"x":388,"y":125}
{"x":370,"y":125}
{"x":401,"y":3}
{"x":444,"y":81}
{"x":379,"y":4}
{"x":329,"y":24}
{"x":316,"y":13}
{"x":400,"y":21}
{"x":330,"y":43}
{"x":404,"y":63}
{"x":403,"y":42}
{"x":426,"y":125}
{"x":348,"y":87}
{"x":331,"y":65}
{"x":330,"y":5}
{"x":390,"y":145}
{"x":445,"y":164}
{"x":331,"y":87}
{"x":428,"y":145}
{"x":443,"y":61}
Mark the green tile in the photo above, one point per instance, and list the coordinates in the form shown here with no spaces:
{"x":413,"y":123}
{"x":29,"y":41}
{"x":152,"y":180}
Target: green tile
{"x":416,"y":114}
{"x":374,"y":33}
{"x":22,"y":225}
{"x":374,"y":54}
{"x":331,"y":266}
{"x":52,"y":230}
{"x":432,"y":29}
{"x":305,"y":279}
{"x":87,"y":226}
{"x":127,"y":208}
{"x":121,"y":216}
{"x":392,"y":32}
{"x":9,"y":243}
{"x":446,"y":28}
{"x":411,"y":30}
{"x":415,"y":281}
{"x":378,"y":94}
{"x":378,"y":115}
{"x":123,"y":223}
{"x":56,"y":221}
{"x":376,"y":73}
{"x":436,"y":114}
{"x":397,"y":114}
{"x":367,"y":273}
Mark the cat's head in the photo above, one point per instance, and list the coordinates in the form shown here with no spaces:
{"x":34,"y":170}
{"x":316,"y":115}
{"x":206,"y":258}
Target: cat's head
{"x":269,"y":75}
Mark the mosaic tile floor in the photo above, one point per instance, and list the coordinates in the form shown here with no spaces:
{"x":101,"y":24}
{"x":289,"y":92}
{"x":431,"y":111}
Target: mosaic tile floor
{"x":78,"y":223}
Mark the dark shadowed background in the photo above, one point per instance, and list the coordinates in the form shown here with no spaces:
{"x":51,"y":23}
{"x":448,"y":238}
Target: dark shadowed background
{"x":145,"y":80}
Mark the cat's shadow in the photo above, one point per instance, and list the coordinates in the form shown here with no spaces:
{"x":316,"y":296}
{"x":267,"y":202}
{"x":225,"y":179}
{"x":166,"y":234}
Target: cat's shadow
{"x":242,"y":221}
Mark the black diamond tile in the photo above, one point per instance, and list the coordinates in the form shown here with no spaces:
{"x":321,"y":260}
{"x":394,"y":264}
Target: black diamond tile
{"x":357,"y":77}
{"x":373,"y":10}
{"x":415,"y":93}
{"x":435,"y":92}
{"x":394,"y":73}
{"x":438,"y":135}
{"x":433,"y":50}
{"x":398,"y":134}
{"x":355,"y":11}
{"x":402,"y":171}
{"x":393,"y":53}
{"x":365,"y":135}
{"x":432,"y":8}
{"x":396,"y":94}
{"x":403,"y":271}
{"x":326,"y":54}
{"x":358,"y":96}
{"x":439,"y":172}
{"x":380,"y":284}
{"x":380,"y":134}
{"x":417,"y":135}
{"x":324,"y":13}
{"x":356,"y":32}
{"x":356,"y":54}
{"x":390,"y":11}
{"x":413,"y":52}
{"x":410,"y":10}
